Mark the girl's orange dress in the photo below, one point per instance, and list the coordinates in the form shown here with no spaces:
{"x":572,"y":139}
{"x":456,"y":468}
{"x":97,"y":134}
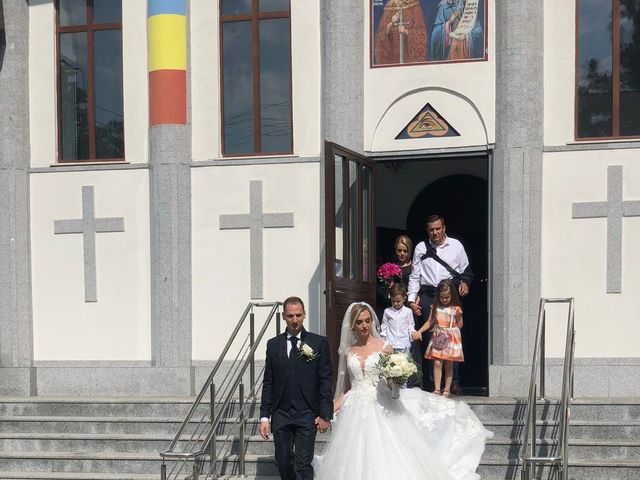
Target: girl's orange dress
{"x":453,"y":350}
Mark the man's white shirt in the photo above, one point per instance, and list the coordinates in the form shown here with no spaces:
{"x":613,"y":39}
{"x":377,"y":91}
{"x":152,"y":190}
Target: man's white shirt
{"x":289,"y":342}
{"x":430,"y":272}
{"x":397,"y":326}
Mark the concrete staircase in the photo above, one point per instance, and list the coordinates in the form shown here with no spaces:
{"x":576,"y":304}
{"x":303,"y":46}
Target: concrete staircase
{"x":119,"y":438}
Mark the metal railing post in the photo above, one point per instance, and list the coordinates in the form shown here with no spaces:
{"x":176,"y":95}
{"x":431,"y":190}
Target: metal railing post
{"x":573,"y":349}
{"x":212,"y":444}
{"x":200,"y":443}
{"x":241,"y":467}
{"x":542,"y":354}
{"x":532,"y":425}
{"x":252,"y":363}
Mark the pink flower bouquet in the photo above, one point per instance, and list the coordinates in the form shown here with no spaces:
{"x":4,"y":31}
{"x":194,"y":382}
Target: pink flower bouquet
{"x":389,"y":272}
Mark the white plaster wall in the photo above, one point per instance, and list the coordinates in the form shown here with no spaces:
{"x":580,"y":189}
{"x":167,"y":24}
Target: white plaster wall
{"x":574,"y":254}
{"x":463,"y":93}
{"x":559,"y":71}
{"x":43,"y":82}
{"x":221,"y":258}
{"x":117,"y":326}
{"x":205,"y":79}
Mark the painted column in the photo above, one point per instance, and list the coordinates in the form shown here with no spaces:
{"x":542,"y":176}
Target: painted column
{"x":516,"y":193}
{"x":16,"y":339}
{"x":170,"y":187}
{"x":342,"y":32}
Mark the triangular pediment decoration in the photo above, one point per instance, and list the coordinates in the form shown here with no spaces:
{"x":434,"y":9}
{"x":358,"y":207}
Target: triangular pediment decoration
{"x":427,"y":123}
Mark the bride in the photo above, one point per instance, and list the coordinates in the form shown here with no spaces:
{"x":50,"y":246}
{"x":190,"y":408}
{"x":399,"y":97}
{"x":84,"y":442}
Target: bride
{"x":374,"y":436}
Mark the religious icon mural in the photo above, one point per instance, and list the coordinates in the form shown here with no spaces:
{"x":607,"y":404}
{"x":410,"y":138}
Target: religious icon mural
{"x":424,"y":31}
{"x":426,"y":124}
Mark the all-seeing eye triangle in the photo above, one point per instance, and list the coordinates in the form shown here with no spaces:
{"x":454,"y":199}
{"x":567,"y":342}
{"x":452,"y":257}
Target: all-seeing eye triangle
{"x":427,"y":123}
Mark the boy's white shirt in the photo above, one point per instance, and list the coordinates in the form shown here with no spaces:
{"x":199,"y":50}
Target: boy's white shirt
{"x":397,"y":326}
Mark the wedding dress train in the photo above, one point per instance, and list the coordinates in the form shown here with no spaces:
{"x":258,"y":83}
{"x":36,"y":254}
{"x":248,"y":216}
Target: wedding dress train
{"x":418,"y":436}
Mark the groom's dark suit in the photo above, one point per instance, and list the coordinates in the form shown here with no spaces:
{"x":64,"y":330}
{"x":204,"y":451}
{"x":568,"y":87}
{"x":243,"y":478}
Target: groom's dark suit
{"x":296,"y":390}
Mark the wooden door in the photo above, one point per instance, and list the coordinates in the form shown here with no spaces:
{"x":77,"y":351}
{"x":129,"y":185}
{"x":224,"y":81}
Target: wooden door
{"x":350,"y":235}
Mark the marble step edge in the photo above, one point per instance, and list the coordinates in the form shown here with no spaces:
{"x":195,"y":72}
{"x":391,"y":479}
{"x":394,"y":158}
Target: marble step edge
{"x":256,"y":438}
{"x":487,"y":462}
{"x":262,"y":458}
{"x":31,"y":455}
{"x":100,"y":400}
{"x":6,"y":475}
{"x":88,"y":419}
{"x":256,"y":420}
{"x":189,"y":400}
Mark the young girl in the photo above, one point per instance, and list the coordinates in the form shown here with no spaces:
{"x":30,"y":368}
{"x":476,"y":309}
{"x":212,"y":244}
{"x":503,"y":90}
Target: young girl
{"x":397,"y":321}
{"x":445,"y":316}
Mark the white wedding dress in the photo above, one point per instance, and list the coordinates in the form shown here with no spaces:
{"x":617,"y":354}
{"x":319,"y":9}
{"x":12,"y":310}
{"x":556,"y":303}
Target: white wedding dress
{"x":419,"y":436}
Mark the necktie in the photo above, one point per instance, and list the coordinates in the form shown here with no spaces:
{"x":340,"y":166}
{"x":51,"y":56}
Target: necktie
{"x":293,"y":353}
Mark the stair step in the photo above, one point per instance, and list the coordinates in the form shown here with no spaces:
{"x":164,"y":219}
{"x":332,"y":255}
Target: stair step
{"x":263,"y":466}
{"x":119,"y":438}
{"x":81,"y":462}
{"x":7,"y":475}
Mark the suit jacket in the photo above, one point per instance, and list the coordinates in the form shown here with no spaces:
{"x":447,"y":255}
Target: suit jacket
{"x":314,"y":376}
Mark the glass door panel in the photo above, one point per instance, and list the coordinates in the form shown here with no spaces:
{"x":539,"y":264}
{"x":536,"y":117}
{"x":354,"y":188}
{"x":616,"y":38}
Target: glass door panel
{"x":339,"y":212}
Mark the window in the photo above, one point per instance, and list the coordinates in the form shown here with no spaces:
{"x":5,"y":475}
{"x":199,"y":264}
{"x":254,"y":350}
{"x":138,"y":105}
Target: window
{"x":608,"y":69}
{"x":256,"y":77}
{"x":90,"y":107}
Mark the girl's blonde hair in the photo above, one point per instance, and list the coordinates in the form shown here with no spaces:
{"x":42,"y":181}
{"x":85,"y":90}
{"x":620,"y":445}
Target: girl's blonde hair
{"x":447,"y":287}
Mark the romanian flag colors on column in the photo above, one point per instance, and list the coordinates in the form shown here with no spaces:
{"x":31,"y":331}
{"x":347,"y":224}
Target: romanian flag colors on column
{"x":167,"y":43}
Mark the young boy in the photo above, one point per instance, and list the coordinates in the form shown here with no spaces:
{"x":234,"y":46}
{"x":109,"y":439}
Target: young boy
{"x":397,"y":321}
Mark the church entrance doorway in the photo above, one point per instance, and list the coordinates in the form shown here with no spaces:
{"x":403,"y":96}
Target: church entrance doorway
{"x":407,"y":192}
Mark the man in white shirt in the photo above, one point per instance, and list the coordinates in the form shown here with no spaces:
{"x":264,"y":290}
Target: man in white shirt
{"x":296,"y":393}
{"x":428,"y":269}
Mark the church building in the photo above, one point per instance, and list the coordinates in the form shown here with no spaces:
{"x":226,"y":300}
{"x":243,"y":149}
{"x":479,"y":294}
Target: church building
{"x":165,"y":162}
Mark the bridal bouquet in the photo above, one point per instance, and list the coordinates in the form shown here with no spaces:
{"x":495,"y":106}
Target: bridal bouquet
{"x":397,"y":368}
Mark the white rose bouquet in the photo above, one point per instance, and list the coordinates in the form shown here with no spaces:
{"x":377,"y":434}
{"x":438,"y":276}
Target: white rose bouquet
{"x":397,"y":368}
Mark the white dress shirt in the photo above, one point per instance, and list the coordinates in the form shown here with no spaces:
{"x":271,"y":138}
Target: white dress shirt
{"x":430,"y":272}
{"x":289,"y":342}
{"x":397,"y":326}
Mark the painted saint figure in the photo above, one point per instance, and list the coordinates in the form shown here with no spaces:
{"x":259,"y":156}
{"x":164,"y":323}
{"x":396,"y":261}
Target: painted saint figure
{"x":401,"y":35}
{"x":450,"y":39}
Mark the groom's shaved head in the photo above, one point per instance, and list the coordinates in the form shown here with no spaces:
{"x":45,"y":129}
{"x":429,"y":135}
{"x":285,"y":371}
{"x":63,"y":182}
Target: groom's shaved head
{"x":291,"y":301}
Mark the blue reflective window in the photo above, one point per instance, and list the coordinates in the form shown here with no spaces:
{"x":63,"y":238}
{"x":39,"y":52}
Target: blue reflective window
{"x":90,"y":100}
{"x":256,"y":78}
{"x":608,"y":95}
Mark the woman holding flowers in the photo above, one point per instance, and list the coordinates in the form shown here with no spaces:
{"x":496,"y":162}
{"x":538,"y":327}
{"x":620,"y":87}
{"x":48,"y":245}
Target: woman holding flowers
{"x":422,"y":435}
{"x":396,"y":271}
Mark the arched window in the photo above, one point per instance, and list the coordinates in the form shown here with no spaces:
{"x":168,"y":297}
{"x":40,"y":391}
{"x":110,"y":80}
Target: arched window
{"x":90,"y":106}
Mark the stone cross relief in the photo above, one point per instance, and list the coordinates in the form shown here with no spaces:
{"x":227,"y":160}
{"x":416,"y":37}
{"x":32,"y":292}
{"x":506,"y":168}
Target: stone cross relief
{"x":614,"y":209}
{"x":255,"y":221}
{"x":88,"y":226}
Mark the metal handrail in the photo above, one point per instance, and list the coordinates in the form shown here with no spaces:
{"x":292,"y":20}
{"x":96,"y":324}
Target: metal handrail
{"x":560,"y":460}
{"x":229,"y":388}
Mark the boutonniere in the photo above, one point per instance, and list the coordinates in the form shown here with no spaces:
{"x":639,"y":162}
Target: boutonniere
{"x":307,"y":352}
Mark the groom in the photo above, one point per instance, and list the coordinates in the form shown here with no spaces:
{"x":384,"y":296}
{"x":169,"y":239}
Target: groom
{"x":296,"y":393}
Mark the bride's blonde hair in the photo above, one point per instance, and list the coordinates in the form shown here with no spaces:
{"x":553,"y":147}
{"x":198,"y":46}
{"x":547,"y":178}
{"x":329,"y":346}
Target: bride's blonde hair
{"x":356,"y":311}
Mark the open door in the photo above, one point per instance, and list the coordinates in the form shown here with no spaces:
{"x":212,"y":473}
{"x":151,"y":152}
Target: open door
{"x":350,"y":235}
